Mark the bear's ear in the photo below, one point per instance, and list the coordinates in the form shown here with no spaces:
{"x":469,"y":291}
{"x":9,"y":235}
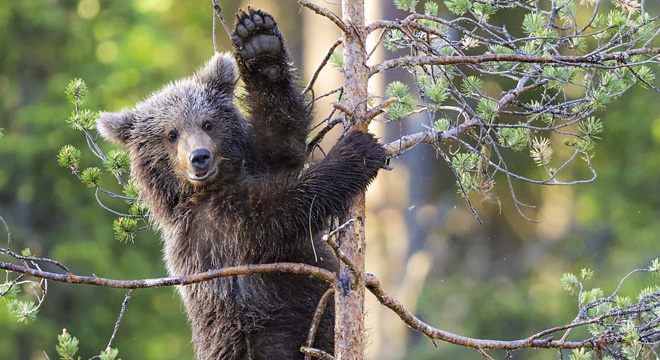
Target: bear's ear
{"x":219,"y":73}
{"x":116,"y":127}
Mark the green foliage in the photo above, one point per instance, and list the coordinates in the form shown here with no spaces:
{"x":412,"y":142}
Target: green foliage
{"x":458,"y":7}
{"x":655,"y":267}
{"x":131,"y":189}
{"x":118,"y":161}
{"x":560,"y":76}
{"x":483,"y":11}
{"x":67,"y":346}
{"x":632,"y":348}
{"x":406,"y":102}
{"x":514,"y":138}
{"x":580,"y":354}
{"x":471,"y":85}
{"x":441,"y":124}
{"x":91,"y":176}
{"x":436,"y":89}
{"x":645,"y":73}
{"x":9,"y":291}
{"x":25,"y":311}
{"x":76,"y":91}
{"x":535,"y":24}
{"x":125,"y":229}
{"x":69,"y":157}
{"x":465,"y":165}
{"x":622,"y":301}
{"x":109,"y":354}
{"x":647,"y":291}
{"x":591,"y":296}
{"x":579,"y":44}
{"x":407,"y":5}
{"x":591,"y":127}
{"x":586,"y":274}
{"x":488,"y":110}
{"x":138,"y":209}
{"x":82,"y":120}
{"x":616,"y":19}
{"x":431,"y":8}
{"x":570,"y":283}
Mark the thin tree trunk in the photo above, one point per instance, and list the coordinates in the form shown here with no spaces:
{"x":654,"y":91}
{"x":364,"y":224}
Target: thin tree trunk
{"x":349,"y":294}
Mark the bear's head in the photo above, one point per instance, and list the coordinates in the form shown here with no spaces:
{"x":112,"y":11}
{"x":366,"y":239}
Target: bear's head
{"x":189,"y":133}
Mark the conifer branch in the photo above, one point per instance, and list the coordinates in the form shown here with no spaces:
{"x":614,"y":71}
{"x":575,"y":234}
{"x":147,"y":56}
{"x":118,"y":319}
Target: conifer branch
{"x":291,"y":268}
{"x":594,"y":60}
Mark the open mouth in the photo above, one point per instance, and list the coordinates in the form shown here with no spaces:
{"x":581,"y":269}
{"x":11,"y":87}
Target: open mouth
{"x":203,"y":175}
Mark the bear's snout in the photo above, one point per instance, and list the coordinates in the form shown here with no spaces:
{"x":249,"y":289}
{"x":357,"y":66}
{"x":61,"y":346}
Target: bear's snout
{"x":200,"y":159}
{"x":200,"y":165}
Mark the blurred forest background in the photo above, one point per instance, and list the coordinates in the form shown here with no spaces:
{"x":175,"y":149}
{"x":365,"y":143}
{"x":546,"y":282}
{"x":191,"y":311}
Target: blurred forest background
{"x":499,"y":280}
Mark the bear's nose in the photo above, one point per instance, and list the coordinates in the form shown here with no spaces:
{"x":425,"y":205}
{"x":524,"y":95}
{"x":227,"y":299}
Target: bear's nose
{"x":200,"y":159}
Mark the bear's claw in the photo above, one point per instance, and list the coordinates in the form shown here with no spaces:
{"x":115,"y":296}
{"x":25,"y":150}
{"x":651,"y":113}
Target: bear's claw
{"x":258,"y":41}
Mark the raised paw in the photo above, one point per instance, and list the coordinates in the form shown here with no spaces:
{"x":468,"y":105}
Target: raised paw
{"x":258,"y":42}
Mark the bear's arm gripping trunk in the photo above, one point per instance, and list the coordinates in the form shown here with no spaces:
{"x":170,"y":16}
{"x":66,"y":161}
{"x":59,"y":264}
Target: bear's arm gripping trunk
{"x":325,"y":190}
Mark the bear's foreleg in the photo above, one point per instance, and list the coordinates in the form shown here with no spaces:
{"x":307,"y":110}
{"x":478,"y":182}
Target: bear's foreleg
{"x":326,"y":189}
{"x":279,"y":113}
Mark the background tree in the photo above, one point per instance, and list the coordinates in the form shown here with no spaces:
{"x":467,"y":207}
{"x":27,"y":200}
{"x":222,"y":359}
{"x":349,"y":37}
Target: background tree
{"x":489,"y":266}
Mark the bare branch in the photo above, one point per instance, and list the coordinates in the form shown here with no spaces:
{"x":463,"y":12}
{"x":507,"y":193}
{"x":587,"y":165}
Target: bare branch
{"x":292,"y":268}
{"x":431,"y":136}
{"x":509,"y":58}
{"x":317,"y":353}
{"x":218,"y":12}
{"x":4,"y":223}
{"x":319,"y":136}
{"x":339,"y":253}
{"x":328,"y":54}
{"x":411,"y":320}
{"x":377,"y":110}
{"x":34,"y":259}
{"x":121,"y":316}
{"x":325,"y":12}
{"x":316,"y":321}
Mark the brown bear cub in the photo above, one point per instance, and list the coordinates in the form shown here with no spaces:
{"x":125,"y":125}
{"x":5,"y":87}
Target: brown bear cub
{"x":227,"y":191}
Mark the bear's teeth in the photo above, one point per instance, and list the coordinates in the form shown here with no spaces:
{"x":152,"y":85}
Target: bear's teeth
{"x":200,"y":176}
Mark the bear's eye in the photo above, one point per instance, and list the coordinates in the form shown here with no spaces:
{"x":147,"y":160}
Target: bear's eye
{"x":173,"y":136}
{"x":207,"y":126}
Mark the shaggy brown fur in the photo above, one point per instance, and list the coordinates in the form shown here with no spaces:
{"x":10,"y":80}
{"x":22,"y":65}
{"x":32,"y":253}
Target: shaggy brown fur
{"x":225,"y":191}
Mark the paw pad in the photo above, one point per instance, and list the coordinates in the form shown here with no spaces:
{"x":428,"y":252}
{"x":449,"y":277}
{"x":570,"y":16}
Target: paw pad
{"x":255,"y":35}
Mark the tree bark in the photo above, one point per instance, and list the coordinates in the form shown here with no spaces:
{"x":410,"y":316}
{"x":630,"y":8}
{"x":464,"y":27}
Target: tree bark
{"x":350,"y":288}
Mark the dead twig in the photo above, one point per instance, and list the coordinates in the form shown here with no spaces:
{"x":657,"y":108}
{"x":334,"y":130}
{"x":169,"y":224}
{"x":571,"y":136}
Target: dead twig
{"x":323,"y":63}
{"x":217,"y":12}
{"x":316,"y":321}
{"x":325,"y":12}
{"x":292,"y":268}
{"x":317,"y":353}
{"x":121,"y":316}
